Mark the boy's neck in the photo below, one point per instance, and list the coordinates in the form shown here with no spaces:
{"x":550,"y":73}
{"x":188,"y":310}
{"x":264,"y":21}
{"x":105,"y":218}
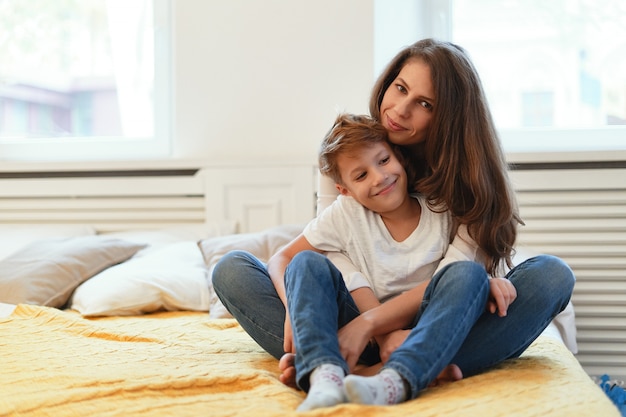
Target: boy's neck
{"x":404,"y":220}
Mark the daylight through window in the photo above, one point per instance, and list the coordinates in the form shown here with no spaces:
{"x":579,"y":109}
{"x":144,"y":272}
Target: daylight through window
{"x":77,"y":71}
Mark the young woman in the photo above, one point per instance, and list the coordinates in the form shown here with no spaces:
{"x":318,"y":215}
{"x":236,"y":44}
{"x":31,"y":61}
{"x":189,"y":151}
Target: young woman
{"x":430,"y":101}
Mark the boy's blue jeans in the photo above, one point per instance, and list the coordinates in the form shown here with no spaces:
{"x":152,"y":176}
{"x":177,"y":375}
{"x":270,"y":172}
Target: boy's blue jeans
{"x":453,"y":326}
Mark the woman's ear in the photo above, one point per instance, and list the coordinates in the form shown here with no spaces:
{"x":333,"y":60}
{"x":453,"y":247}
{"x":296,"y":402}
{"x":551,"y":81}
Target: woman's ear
{"x":342,"y":190}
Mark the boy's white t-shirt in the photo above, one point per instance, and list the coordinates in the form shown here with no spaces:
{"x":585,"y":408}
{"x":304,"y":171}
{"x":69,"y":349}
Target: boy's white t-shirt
{"x":386,"y":266}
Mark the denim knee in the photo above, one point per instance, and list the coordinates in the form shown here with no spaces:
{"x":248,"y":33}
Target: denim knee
{"x":307,"y":258}
{"x":472,"y":272}
{"x":460,"y":277}
{"x":229,"y":270}
{"x":304,"y":261}
{"x":560,"y":274}
{"x":550,"y":274}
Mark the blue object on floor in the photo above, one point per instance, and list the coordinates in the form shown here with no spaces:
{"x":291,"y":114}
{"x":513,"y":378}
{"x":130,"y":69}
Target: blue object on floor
{"x":616,"y":393}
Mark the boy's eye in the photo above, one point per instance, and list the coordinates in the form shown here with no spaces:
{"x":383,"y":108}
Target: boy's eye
{"x":384,"y":160}
{"x":360,"y":176}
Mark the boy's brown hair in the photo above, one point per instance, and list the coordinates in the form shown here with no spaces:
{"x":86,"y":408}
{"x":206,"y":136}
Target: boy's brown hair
{"x":349,"y":133}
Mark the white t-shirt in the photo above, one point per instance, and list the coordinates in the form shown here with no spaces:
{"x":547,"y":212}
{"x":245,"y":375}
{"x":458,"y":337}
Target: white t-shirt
{"x":386,"y":266}
{"x":351,"y":264}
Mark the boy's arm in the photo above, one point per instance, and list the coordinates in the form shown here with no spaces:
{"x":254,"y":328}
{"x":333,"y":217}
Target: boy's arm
{"x":365,"y":299}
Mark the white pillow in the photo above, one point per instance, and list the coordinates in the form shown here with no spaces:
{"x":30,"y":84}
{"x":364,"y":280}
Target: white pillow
{"x":173,"y":277}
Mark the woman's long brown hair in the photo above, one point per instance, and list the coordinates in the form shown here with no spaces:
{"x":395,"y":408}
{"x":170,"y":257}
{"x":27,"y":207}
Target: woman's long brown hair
{"x":461,"y":166}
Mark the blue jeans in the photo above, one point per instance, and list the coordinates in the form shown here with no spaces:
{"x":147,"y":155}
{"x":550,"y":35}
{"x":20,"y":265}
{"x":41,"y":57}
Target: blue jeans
{"x":453,"y":325}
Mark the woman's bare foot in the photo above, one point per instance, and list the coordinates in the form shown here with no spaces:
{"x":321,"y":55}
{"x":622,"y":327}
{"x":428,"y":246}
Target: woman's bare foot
{"x":450,"y":374}
{"x":364,"y":370}
{"x":287,"y":368}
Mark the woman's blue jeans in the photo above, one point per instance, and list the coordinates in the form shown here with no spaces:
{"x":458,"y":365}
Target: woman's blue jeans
{"x":453,"y":326}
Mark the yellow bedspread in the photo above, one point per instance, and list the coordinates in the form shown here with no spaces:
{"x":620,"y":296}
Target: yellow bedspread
{"x":55,"y":363}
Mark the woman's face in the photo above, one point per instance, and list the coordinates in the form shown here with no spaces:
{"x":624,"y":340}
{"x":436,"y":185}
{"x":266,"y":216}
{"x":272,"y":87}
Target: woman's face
{"x":407,"y":106}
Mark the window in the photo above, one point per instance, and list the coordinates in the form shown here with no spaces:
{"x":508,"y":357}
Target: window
{"x":537,"y":109}
{"x":554,"y":72}
{"x":84,"y":79}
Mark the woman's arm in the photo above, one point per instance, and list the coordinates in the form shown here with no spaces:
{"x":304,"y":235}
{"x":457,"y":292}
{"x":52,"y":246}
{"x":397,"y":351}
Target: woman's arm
{"x":276,"y":267}
{"x":277,"y":264}
{"x":326,"y":192}
{"x":396,"y":313}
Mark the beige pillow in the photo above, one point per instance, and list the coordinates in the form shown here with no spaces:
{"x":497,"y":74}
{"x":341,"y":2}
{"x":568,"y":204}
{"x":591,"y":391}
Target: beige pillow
{"x":46,"y":272}
{"x":18,"y":236}
{"x":261,"y":244}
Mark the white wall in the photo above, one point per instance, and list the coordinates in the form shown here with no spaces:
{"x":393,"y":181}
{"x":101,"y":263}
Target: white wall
{"x":257,"y":80}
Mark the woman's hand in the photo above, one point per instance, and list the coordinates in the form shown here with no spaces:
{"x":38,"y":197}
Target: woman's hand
{"x":288,"y":345}
{"x":388,"y":343}
{"x":502,"y":293}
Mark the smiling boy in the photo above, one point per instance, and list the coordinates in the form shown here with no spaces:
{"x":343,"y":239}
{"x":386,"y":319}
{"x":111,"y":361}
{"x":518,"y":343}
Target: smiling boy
{"x":391,"y":236}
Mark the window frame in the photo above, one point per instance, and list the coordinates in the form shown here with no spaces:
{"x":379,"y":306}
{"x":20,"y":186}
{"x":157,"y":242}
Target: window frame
{"x":116,"y":148}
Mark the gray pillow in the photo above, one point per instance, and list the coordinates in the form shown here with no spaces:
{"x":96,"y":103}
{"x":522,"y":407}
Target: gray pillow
{"x":46,"y":272}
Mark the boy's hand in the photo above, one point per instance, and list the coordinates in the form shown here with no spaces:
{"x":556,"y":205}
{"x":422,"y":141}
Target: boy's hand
{"x":502,"y":293}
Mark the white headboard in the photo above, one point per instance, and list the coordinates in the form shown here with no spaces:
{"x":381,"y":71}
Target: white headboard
{"x":254,"y":196}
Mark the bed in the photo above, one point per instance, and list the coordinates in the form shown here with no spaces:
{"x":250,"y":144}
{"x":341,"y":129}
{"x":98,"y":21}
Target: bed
{"x":100,"y":321}
{"x":142,"y":333}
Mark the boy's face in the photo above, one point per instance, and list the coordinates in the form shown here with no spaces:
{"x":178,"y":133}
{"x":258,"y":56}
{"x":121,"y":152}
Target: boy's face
{"x":374,"y":177}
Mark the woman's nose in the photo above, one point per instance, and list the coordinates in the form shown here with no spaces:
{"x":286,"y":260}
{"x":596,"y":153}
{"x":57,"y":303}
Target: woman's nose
{"x":402,"y":108}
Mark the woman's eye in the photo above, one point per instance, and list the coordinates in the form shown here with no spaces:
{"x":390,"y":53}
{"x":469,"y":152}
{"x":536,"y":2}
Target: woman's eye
{"x":426,"y":105}
{"x":401,"y":88}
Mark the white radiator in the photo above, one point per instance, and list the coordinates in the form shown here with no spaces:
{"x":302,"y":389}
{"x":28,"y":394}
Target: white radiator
{"x":579,"y":214}
{"x":251,"y":196}
{"x":108,"y":200}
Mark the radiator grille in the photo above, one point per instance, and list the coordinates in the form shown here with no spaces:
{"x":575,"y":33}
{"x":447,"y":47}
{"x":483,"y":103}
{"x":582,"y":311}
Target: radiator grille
{"x":580,"y":216}
{"x":109,"y":203}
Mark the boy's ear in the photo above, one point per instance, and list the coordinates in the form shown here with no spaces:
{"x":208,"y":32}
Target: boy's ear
{"x":342,"y":190}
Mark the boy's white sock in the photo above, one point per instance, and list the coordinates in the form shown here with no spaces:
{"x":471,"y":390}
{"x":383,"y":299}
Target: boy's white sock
{"x":385,"y":388}
{"x":326,"y":388}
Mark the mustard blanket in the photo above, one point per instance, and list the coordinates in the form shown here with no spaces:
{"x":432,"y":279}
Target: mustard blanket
{"x":56,"y":363}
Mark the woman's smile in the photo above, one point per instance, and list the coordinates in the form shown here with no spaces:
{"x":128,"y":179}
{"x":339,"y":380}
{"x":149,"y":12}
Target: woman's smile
{"x":392,"y":125}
